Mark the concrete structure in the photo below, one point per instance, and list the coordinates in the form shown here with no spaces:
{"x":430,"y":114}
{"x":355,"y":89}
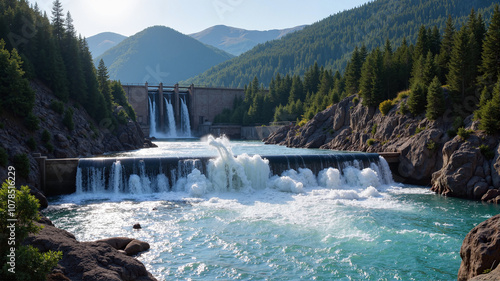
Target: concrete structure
{"x":58,"y":176}
{"x":204,"y":103}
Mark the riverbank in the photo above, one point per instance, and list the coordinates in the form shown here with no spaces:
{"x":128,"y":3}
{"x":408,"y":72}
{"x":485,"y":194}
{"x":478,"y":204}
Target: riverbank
{"x":466,"y":165}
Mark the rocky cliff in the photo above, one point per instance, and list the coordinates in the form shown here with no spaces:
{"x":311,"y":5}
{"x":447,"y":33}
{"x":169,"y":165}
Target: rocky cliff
{"x":453,"y":166}
{"x":55,"y":140}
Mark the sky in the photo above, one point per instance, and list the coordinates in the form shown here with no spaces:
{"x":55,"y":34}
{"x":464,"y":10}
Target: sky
{"x":127,"y":17}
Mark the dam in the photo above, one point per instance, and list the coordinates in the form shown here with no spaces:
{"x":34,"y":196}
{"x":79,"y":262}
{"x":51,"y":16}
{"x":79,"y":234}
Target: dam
{"x":170,"y":109}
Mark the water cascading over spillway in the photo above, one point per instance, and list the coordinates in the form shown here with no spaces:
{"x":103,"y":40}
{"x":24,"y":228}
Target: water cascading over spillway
{"x":152,"y":116}
{"x":202,"y":175}
{"x":185,"y":123}
{"x":172,"y":132}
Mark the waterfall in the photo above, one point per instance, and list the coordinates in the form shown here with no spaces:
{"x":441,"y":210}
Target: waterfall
{"x":185,"y":123}
{"x":152,"y":116}
{"x":172,"y":132}
{"x":116,"y":176}
{"x":229,"y":173}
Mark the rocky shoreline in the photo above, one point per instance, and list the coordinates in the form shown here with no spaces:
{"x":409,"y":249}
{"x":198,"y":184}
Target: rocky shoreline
{"x":429,"y":156}
{"x":99,"y":260}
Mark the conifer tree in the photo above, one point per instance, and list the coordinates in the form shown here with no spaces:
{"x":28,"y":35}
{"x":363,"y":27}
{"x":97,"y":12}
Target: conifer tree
{"x":446,"y":48}
{"x":371,"y":82}
{"x":58,"y":19}
{"x":462,"y":66}
{"x":490,"y":66}
{"x":422,"y":45}
{"x":490,"y":113}
{"x":435,"y":100}
{"x":417,"y":99}
{"x":353,"y":72}
{"x":104,"y":84}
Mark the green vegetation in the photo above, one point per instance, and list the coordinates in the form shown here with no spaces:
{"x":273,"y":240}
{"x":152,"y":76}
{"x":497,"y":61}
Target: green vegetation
{"x":435,"y":100}
{"x":22,"y":164}
{"x":431,"y":145}
{"x":31,"y":142}
{"x":463,"y":133}
{"x":52,"y":53}
{"x":385,"y":74}
{"x":487,"y":152}
{"x":374,"y":129}
{"x":57,"y":106}
{"x":385,"y":106}
{"x":68,"y":119}
{"x":419,"y":130}
{"x":371,"y":142}
{"x":30,"y":263}
{"x":330,"y":41}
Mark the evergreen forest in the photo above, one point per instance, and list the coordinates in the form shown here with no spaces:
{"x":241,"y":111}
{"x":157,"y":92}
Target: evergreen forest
{"x":454,"y":70}
{"x":36,"y":46}
{"x":331,"y":41}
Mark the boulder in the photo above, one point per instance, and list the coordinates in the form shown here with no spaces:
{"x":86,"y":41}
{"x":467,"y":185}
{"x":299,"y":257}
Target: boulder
{"x":118,"y":243}
{"x":135,"y":247}
{"x":480,"y":250}
{"x":129,"y":246}
{"x":87,"y":260}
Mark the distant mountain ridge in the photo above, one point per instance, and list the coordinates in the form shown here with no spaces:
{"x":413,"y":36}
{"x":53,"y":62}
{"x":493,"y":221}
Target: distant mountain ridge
{"x":100,"y":43}
{"x":236,"y":40}
{"x":160,"y":54}
{"x":330,"y":42}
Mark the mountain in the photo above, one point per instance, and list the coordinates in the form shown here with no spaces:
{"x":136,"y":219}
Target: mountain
{"x":160,"y":54}
{"x":236,"y":41}
{"x":331,"y":41}
{"x":100,"y":43}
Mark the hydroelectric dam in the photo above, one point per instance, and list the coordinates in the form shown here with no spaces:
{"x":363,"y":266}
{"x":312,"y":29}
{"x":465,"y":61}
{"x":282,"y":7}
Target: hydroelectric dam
{"x":175,"y":111}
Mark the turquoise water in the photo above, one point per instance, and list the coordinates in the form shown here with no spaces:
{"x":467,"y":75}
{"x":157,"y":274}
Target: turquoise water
{"x":346,"y":232}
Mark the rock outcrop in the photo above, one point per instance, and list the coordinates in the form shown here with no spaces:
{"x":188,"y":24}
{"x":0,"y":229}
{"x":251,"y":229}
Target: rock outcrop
{"x":480,"y":252}
{"x":466,"y":172}
{"x":87,"y":260}
{"x":425,"y":146}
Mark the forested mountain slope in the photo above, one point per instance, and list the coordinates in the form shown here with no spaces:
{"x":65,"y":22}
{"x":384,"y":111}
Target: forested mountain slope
{"x":330,"y":41}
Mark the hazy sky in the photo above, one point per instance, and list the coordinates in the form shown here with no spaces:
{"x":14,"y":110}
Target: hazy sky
{"x":128,"y":17}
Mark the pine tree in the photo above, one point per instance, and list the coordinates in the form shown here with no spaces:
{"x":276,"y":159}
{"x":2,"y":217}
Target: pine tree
{"x":490,"y":113}
{"x":16,"y":94}
{"x":58,"y":19}
{"x":462,"y":67}
{"x":371,"y":82}
{"x":422,"y":46}
{"x":417,"y":99}
{"x":353,"y":72}
{"x":104,"y":84}
{"x":446,"y":49}
{"x":490,"y":66}
{"x":297,"y":90}
{"x":311,"y":79}
{"x":435,"y":100}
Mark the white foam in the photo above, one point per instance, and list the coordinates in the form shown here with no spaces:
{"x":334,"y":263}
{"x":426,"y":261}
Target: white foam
{"x":330,"y":178}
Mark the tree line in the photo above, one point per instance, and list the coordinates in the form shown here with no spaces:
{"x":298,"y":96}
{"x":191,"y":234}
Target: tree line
{"x":458,"y":66}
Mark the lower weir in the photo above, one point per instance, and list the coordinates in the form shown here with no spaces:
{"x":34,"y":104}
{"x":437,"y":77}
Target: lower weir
{"x":160,"y":174}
